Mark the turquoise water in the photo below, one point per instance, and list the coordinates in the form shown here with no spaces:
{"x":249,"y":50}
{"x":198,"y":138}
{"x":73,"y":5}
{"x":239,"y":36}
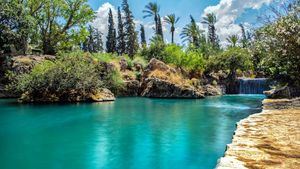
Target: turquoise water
{"x":130,"y":133}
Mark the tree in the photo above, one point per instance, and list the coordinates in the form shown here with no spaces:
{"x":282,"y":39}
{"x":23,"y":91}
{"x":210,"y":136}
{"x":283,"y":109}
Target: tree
{"x":279,"y":44}
{"x":152,"y":10}
{"x":172,"y":20}
{"x":111,"y":35}
{"x":159,"y":28}
{"x":61,"y":23}
{"x":244,"y":39}
{"x":16,"y":23}
{"x":143,"y":36}
{"x":192,"y":33}
{"x":233,"y":40}
{"x":93,"y":42}
{"x":232,"y":59}
{"x":121,"y":45}
{"x":131,"y":34}
{"x":210,"y":19}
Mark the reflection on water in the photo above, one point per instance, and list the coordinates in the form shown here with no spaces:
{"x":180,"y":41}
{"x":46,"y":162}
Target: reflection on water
{"x":135,"y":133}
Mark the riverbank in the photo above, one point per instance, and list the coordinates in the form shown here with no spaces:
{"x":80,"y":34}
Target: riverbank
{"x":270,"y":139}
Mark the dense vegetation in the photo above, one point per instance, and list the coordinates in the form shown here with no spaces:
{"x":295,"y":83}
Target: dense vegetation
{"x":272,"y":50}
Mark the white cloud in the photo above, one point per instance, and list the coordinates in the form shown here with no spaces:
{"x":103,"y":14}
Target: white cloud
{"x":227,"y":11}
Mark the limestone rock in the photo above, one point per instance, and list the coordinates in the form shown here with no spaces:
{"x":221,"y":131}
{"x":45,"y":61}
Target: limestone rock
{"x":102,"y":95}
{"x":213,"y":90}
{"x":132,"y":88}
{"x":162,"y":81}
{"x":280,"y":93}
{"x":158,"y":88}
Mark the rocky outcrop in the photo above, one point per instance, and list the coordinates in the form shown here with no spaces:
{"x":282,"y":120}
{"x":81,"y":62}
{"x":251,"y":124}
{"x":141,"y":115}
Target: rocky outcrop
{"x":162,"y":81}
{"x":283,"y":92}
{"x":164,"y":89}
{"x":100,"y":95}
{"x":214,"y":90}
{"x":23,"y":64}
{"x":19,"y":65}
{"x":268,"y":140}
{"x":132,"y":88}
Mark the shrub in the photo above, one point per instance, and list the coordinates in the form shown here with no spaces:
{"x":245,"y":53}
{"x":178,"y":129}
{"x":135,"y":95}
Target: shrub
{"x":231,"y":60}
{"x":70,"y":73}
{"x":280,"y":44}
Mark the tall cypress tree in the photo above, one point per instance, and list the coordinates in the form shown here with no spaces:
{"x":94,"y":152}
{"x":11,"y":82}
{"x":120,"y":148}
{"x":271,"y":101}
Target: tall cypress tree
{"x":93,"y":43}
{"x":111,"y":36}
{"x":130,"y":33}
{"x":121,"y":45}
{"x":159,"y":28}
{"x":143,"y":36}
{"x":244,"y":36}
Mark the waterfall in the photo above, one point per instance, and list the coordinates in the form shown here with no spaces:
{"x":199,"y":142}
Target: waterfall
{"x":253,"y":86}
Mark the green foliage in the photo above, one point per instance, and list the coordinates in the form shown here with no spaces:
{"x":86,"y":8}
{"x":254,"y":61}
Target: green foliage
{"x":93,"y":42}
{"x":67,"y":73}
{"x":191,"y":60}
{"x":111,"y":35}
{"x":53,"y":25}
{"x":155,"y":50}
{"x":232,"y":59}
{"x":130,"y":33}
{"x":143,"y":36}
{"x":121,"y":45}
{"x":172,"y":20}
{"x":210,"y":19}
{"x":140,"y":61}
{"x":279,"y":44}
{"x":191,"y":33}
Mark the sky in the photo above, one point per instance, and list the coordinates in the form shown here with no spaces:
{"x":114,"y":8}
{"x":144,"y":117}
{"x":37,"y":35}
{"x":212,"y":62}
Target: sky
{"x":230,"y":13}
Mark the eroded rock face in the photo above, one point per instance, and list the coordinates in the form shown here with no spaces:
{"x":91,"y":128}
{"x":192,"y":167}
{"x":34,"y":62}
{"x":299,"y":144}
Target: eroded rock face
{"x":163,"y":89}
{"x":162,"y":81}
{"x":132,"y":88}
{"x":211,"y":90}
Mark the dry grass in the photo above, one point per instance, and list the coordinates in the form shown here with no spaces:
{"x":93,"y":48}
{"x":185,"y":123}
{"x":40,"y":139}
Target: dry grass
{"x":169,"y":76}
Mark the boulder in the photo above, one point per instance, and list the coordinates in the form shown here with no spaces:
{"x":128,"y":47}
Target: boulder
{"x":123,"y":64}
{"x":159,"y":88}
{"x":132,"y":88}
{"x":162,"y":81}
{"x":158,"y":65}
{"x":102,"y":95}
{"x":280,"y":93}
{"x":214,"y":90}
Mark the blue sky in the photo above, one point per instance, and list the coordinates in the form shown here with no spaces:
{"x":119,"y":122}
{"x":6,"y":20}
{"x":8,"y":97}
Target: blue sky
{"x":229,"y":14}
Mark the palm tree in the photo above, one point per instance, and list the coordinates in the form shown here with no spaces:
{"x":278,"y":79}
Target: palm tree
{"x":192,"y":33}
{"x":210,"y":19}
{"x":152,"y":10}
{"x":233,"y":39}
{"x":172,"y":20}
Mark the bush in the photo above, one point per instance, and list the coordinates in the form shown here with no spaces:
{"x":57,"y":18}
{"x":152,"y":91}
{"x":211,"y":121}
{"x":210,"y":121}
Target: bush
{"x":280,"y":44}
{"x":70,"y":73}
{"x":232,"y":59}
{"x":191,"y":60}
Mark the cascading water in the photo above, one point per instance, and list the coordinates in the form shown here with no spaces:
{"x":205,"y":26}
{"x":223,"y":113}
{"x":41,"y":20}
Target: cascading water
{"x":253,"y":86}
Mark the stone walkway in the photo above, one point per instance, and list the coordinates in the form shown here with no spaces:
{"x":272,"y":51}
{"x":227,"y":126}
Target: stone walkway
{"x":267,"y":140}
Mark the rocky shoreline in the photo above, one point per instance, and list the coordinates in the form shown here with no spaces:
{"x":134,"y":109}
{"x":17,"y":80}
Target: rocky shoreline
{"x":270,"y":139}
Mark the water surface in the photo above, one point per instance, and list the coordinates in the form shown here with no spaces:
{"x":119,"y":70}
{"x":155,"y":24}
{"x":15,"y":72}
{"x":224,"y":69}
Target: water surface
{"x":130,"y":133}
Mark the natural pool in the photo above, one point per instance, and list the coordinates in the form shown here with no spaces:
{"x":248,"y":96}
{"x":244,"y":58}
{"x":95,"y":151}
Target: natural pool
{"x":130,"y":133}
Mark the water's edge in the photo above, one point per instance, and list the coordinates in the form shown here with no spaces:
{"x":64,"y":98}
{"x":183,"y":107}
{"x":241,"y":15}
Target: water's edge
{"x":260,"y":126}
